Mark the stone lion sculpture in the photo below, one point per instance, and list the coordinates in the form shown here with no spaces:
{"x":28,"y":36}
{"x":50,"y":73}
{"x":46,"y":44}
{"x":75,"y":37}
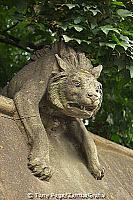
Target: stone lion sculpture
{"x":59,"y":85}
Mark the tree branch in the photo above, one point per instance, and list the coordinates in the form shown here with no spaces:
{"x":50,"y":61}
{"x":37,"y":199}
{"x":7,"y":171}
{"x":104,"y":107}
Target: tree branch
{"x":10,"y":41}
{"x":9,"y":28}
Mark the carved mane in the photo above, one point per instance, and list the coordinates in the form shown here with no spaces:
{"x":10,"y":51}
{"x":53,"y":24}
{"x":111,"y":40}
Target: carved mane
{"x":75,"y":60}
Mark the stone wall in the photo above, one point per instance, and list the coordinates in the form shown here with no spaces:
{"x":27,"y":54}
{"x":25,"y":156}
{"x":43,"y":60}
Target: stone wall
{"x":70,"y":171}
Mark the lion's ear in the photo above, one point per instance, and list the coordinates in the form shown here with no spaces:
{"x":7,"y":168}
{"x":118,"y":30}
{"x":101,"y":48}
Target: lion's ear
{"x":62,"y":64}
{"x":96,"y":71}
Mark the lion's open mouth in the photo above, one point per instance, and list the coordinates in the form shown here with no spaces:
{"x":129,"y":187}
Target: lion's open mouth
{"x":81,"y":107}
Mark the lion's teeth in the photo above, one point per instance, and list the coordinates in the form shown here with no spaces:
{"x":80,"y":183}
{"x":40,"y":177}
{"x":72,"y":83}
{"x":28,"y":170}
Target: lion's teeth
{"x":82,"y":107}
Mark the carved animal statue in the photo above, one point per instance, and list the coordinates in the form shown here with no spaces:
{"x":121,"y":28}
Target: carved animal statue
{"x":58,"y":86}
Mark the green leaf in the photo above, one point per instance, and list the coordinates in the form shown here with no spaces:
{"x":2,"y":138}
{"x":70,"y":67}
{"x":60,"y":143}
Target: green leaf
{"x":64,"y":27}
{"x":111,"y":45}
{"x":108,"y":28}
{"x":115,"y":138}
{"x":77,"y":20}
{"x":70,"y":6}
{"x":124,"y":45}
{"x":77,"y":40}
{"x":124,"y":13}
{"x":118,"y":3}
{"x":92,"y":9}
{"x":67,"y":39}
{"x":125,"y":32}
{"x":94,"y":12}
{"x":93,"y":25}
{"x":131,"y":70}
{"x":125,"y":38}
{"x":88,"y":42}
{"x":78,"y":28}
{"x":115,"y":39}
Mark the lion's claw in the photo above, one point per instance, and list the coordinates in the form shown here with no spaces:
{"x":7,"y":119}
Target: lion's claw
{"x":97,"y":172}
{"x":39,"y":168}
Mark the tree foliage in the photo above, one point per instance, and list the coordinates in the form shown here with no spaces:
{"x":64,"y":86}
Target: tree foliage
{"x":102,"y":29}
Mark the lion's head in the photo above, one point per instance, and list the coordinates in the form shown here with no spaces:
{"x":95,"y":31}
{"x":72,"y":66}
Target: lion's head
{"x":75,"y":89}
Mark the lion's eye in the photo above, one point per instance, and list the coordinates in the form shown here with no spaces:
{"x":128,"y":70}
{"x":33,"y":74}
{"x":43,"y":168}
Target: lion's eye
{"x":77,"y":83}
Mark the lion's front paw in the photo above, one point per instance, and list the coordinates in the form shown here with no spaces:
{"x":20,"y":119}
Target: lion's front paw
{"x":97,"y":171}
{"x":39,"y":168}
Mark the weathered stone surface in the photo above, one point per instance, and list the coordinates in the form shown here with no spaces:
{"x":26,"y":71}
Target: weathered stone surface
{"x":6,"y":105}
{"x":70,"y":172}
{"x":59,"y":85}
